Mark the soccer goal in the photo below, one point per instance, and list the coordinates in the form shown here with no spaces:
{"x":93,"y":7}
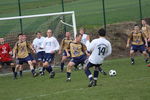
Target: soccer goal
{"x":59,"y":22}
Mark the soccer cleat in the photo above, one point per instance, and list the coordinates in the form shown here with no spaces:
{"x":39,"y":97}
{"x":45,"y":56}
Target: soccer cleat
{"x":41,"y":73}
{"x":147,"y":61}
{"x":132,"y":62}
{"x":35,"y":75}
{"x":52,"y":74}
{"x":91,"y":83}
{"x":95,"y":83}
{"x":68,"y":80}
{"x":104,"y":73}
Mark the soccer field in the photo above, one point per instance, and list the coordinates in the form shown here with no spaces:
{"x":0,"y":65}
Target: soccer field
{"x":131,"y":83}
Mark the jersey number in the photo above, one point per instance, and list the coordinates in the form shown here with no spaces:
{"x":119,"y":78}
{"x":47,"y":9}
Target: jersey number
{"x":101,"y":50}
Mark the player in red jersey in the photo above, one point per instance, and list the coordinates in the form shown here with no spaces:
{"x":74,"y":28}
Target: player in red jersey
{"x":5,"y":55}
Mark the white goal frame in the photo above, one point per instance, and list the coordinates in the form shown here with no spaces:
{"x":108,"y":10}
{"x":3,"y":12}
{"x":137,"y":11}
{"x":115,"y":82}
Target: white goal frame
{"x":48,"y":14}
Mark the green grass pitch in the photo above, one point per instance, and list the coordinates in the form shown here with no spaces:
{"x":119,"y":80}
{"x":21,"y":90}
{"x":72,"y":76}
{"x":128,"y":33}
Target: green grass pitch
{"x":131,"y":83}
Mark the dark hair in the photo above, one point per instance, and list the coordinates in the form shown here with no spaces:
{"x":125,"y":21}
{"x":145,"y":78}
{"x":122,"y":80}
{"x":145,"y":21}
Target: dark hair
{"x":19,"y":34}
{"x":78,"y":34}
{"x":102,"y":32}
{"x":136,"y":25}
{"x":38,"y":32}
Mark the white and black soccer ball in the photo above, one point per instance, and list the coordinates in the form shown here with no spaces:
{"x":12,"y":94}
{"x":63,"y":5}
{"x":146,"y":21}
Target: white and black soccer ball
{"x":112,"y":72}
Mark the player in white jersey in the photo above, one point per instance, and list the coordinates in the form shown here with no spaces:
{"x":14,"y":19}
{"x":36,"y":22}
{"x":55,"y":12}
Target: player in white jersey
{"x":51,"y":45}
{"x":100,"y":48}
{"x":37,"y":42}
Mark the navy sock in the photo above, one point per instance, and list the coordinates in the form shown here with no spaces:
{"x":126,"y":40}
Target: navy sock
{"x":15,"y":74}
{"x":62,"y":66}
{"x":32,"y":71}
{"x":68,"y":74}
{"x":49,"y":69}
{"x":96,"y":73}
{"x":88,"y":74}
{"x":20,"y":73}
{"x":132,"y":59}
{"x":13,"y":69}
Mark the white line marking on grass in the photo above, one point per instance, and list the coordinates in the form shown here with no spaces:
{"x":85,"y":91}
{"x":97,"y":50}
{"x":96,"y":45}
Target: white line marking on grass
{"x":44,"y":95}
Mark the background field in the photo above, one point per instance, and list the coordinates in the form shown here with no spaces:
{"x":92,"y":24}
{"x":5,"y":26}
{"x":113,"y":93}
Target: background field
{"x":88,"y":12}
{"x":131,"y":83}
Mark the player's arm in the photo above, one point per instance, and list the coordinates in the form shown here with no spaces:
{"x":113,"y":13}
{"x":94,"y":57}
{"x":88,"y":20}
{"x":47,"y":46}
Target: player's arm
{"x":30,"y":46}
{"x":15,"y":50}
{"x":91,"y":46}
{"x":145,"y":40}
{"x":61,"y":46}
{"x":85,"y":50}
{"x":128,"y":40}
{"x":109,"y":50}
{"x":57,"y":46}
{"x":67,"y":50}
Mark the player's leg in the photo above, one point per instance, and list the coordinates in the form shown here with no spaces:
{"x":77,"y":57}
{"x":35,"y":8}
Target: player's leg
{"x":102,"y":71}
{"x":32,"y":68}
{"x":88,"y":73}
{"x":96,"y":73}
{"x":40,"y":61}
{"x":20,"y":70}
{"x":64,"y":58}
{"x":69,"y":69}
{"x":132,"y":54}
{"x":12,"y":67}
{"x":142,"y":49}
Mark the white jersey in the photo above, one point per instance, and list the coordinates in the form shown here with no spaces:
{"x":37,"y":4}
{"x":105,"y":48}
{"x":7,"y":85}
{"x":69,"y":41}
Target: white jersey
{"x":84,"y":39}
{"x":37,"y":42}
{"x":50,"y":44}
{"x":100,"y":49}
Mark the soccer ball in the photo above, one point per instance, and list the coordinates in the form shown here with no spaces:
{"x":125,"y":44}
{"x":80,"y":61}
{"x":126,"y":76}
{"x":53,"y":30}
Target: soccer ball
{"x":112,"y":72}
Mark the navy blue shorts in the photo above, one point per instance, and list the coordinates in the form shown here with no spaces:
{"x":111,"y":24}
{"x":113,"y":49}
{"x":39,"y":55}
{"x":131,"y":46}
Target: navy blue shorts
{"x":89,"y":64}
{"x":23,"y":60}
{"x":136,"y":48}
{"x":49,"y":57}
{"x":79,"y":60}
{"x":31,"y":57}
{"x":40,"y":56}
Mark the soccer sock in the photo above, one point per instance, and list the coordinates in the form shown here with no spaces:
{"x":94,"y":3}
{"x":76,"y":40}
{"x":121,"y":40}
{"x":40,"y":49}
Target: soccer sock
{"x":132,"y":59}
{"x":89,"y":74}
{"x":96,"y":73}
{"x":49,"y":69}
{"x":15,"y":74}
{"x":32,"y":71}
{"x":20,"y":73}
{"x":68,"y":74}
{"x":62,"y":66}
{"x":100,"y":69}
{"x":13,"y":69}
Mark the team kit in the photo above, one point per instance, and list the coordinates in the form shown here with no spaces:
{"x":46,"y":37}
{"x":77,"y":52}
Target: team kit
{"x":79,"y":51}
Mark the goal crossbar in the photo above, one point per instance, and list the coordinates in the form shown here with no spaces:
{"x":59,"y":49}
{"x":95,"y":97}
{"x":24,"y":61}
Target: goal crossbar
{"x":48,"y":14}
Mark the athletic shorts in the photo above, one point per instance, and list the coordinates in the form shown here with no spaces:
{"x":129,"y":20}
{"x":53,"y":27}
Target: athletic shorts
{"x":136,"y":48}
{"x":40,"y":56}
{"x":31,"y":57}
{"x":49,"y":57}
{"x":79,"y":60}
{"x":7,"y":63}
{"x":23,"y":60}
{"x":89,"y":64}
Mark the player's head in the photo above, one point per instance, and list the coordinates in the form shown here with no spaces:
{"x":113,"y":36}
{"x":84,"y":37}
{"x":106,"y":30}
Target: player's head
{"x":39,"y":34}
{"x":143,"y":22}
{"x":2,"y":40}
{"x":49,"y":33}
{"x":136,"y":27}
{"x":68,"y":34}
{"x":20,"y":36}
{"x":102,"y":32}
{"x":78,"y":37}
{"x":24,"y":37}
{"x":82,"y":30}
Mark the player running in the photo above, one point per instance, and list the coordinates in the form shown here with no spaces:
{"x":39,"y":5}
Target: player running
{"x":136,"y":38}
{"x":5,"y":55}
{"x":100,"y":48}
{"x":51,"y":45}
{"x":37,"y":42}
{"x":21,"y":53}
{"x":64,"y":44}
{"x":77,"y":53}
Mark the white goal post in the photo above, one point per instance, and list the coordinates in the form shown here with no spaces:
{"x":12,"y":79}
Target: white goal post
{"x":48,"y":14}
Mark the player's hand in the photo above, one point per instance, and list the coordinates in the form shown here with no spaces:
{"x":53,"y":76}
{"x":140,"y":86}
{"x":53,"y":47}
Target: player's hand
{"x":68,"y":55}
{"x":52,"y":52}
{"x":146,"y":44}
{"x":149,"y":40}
{"x":59,"y":52}
{"x":127,"y":46}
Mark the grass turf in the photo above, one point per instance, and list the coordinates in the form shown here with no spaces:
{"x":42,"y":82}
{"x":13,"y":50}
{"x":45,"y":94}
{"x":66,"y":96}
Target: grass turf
{"x":131,"y":83}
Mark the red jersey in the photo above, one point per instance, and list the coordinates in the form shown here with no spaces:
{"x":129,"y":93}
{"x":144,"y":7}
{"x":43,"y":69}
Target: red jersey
{"x":4,"y":53}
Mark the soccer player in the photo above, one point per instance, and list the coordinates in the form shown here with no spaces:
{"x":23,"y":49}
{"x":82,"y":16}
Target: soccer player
{"x":37,"y":42}
{"x":51,"y":45}
{"x":64,"y":44}
{"x":146,"y":31}
{"x":78,"y":54}
{"x":136,"y":38}
{"x":100,"y":48}
{"x":5,"y":55}
{"x":21,"y":53}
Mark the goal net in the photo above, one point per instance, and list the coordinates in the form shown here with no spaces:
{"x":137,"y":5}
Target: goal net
{"x":60,"y":23}
{"x":30,"y":24}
